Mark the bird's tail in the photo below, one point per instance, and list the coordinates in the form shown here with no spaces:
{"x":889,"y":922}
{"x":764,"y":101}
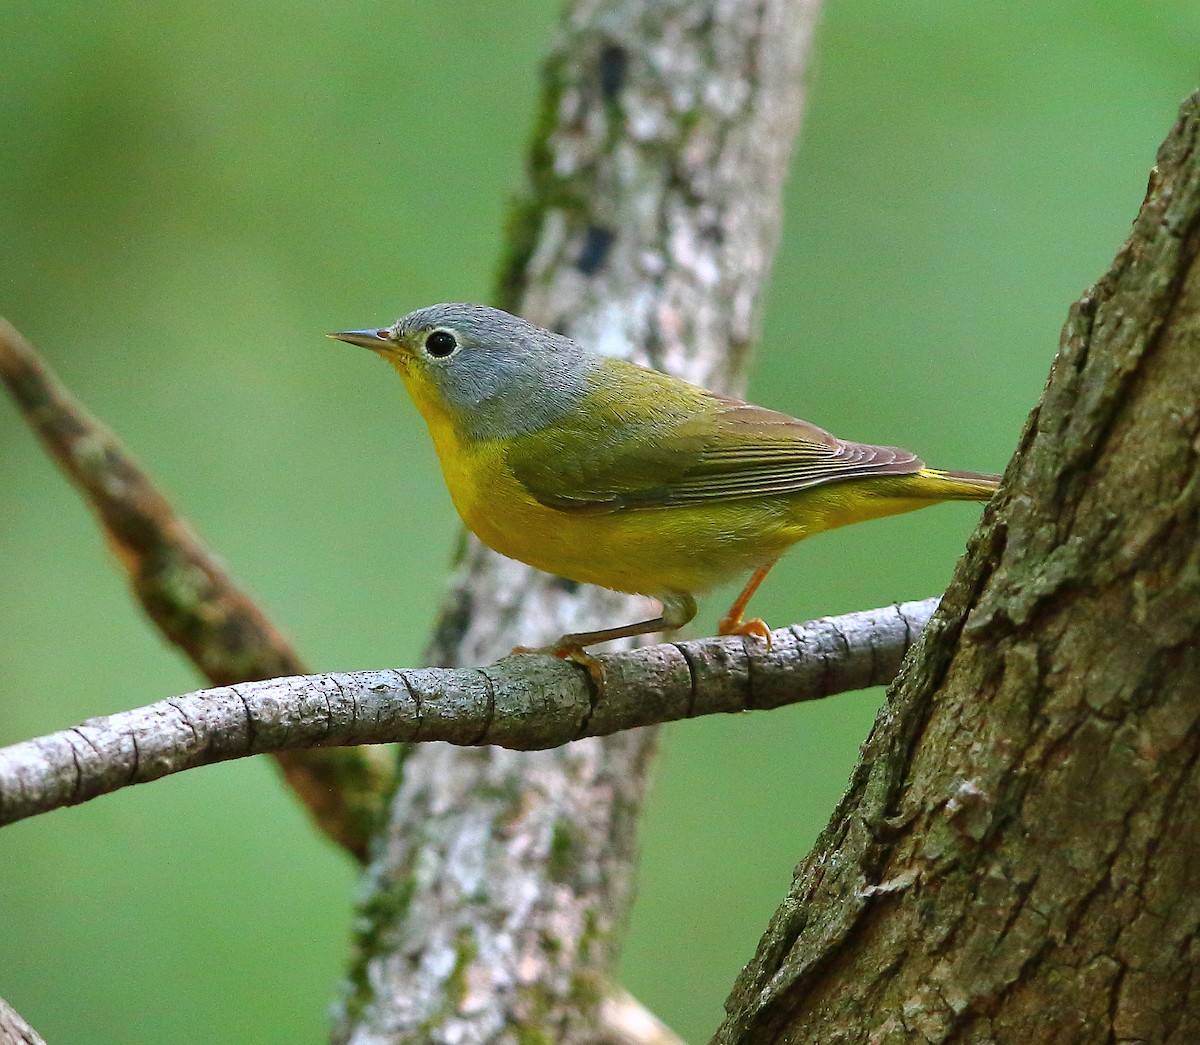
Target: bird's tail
{"x":959,"y":486}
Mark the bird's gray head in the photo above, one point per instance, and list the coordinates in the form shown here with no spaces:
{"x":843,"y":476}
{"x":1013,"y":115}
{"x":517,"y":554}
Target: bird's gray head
{"x":494,"y":374}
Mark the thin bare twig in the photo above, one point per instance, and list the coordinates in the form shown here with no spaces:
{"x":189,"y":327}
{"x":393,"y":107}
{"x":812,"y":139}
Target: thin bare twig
{"x":523,"y":703}
{"x":14,"y":1030}
{"x":623,"y":1020}
{"x":187,"y":595}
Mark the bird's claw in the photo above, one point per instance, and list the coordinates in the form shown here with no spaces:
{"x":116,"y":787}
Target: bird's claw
{"x":577,"y":654}
{"x":756,"y":628}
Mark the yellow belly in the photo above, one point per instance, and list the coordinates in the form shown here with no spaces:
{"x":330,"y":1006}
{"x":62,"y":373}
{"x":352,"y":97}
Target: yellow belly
{"x":649,"y":551}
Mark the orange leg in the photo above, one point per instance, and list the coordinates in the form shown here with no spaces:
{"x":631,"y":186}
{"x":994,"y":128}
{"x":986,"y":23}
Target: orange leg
{"x":732,"y":623}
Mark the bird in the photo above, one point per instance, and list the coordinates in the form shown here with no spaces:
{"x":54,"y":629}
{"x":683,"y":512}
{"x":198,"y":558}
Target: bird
{"x":604,"y":472}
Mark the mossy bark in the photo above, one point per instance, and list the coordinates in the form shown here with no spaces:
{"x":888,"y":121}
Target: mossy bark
{"x":647,"y":230}
{"x":1018,"y":856}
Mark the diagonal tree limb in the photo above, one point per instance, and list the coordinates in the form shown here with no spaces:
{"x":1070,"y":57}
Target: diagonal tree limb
{"x":521,"y":703}
{"x":192,"y":601}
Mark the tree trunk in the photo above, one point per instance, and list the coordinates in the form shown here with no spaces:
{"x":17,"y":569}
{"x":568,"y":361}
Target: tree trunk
{"x":493,"y":908}
{"x":1018,"y":856}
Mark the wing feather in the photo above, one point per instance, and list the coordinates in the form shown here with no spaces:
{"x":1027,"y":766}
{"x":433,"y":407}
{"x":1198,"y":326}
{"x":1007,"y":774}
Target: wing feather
{"x":690,"y":449}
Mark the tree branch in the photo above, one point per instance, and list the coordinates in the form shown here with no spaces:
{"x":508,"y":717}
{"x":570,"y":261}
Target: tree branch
{"x":523,"y":703}
{"x":14,"y":1030}
{"x":623,"y":1020}
{"x":185,"y":593}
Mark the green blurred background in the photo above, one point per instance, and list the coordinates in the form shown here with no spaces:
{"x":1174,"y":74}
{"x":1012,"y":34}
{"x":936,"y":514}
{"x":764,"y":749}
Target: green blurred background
{"x":192,"y":194}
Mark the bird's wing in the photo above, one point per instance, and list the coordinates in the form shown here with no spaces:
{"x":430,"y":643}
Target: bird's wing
{"x":709,"y":449}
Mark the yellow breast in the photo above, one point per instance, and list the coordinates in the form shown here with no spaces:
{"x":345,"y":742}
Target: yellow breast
{"x":651,"y":552}
{"x":489,"y":499}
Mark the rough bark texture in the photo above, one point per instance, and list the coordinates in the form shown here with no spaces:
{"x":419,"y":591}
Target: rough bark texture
{"x":522,"y":703}
{"x":1017,"y":858}
{"x":493,"y":906}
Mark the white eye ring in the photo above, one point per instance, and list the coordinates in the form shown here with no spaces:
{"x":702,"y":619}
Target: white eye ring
{"x":441,"y":343}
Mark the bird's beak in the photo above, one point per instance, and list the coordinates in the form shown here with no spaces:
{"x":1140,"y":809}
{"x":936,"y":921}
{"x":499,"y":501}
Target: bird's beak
{"x":378,"y":340}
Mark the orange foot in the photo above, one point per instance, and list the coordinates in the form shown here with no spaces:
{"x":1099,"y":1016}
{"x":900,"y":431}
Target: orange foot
{"x":736,"y":626}
{"x":573,"y":653}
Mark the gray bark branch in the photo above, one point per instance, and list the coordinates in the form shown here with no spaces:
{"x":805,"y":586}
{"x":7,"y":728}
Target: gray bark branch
{"x":501,"y":885}
{"x":1015,"y":860}
{"x":522,"y":703}
{"x":14,"y":1030}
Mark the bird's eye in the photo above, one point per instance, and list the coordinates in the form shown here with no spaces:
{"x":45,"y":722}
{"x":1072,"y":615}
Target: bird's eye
{"x":440,"y":344}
